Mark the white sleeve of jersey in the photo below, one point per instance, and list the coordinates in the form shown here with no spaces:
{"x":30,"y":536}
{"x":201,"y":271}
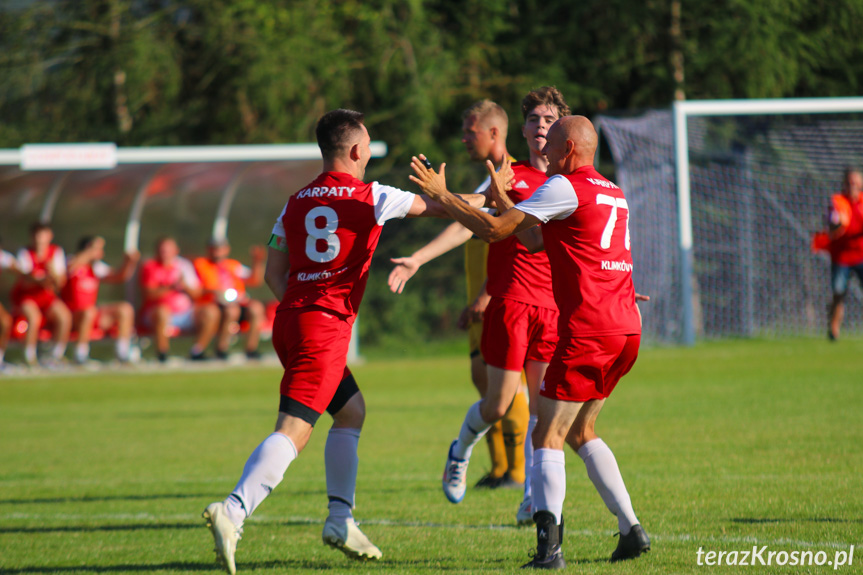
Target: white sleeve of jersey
{"x":188,"y":273}
{"x":6,"y":260}
{"x":25,"y":262}
{"x":554,"y":200}
{"x":58,"y":262}
{"x":390,"y":203}
{"x":101,"y":270}
{"x":279,"y":227}
{"x":482,"y":187}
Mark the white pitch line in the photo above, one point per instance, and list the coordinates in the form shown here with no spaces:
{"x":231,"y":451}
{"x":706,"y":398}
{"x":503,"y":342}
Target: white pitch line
{"x":676,"y":537}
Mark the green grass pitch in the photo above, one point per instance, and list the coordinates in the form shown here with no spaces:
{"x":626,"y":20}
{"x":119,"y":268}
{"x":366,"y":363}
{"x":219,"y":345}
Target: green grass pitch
{"x":723,"y":446}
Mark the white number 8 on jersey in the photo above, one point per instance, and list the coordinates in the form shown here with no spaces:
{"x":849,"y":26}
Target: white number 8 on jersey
{"x":326,"y":233}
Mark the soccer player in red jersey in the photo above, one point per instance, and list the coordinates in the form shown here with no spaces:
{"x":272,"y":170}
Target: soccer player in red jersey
{"x":520,"y":322}
{"x":318,"y":263}
{"x":85,"y":271}
{"x":170,"y":286}
{"x":845,"y":244}
{"x":585,"y":230}
{"x":485,"y":125}
{"x":42,"y":266}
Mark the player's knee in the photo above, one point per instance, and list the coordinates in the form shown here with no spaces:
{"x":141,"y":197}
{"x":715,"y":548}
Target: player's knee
{"x":125,"y":311}
{"x":353,"y":414}
{"x":231,"y":312}
{"x":162,"y":314}
{"x":493,"y":411}
{"x":32,"y":314}
{"x":255,"y":309}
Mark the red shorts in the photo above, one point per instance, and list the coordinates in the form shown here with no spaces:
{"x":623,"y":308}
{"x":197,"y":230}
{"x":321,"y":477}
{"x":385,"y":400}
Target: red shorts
{"x":585,"y":368}
{"x":514,"y":332}
{"x":42,"y":298}
{"x":312,"y":345}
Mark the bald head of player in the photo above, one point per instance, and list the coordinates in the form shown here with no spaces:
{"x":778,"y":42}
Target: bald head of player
{"x":570,"y":144}
{"x":484,"y":129}
{"x":344,"y":142}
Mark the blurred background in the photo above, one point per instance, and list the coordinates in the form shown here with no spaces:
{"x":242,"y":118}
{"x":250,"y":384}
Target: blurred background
{"x":165,"y":72}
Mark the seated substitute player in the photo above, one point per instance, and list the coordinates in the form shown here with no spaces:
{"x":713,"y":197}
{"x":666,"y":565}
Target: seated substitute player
{"x":224,"y":282}
{"x":318,"y":263}
{"x":585,"y":229}
{"x":85,"y":271}
{"x":845,"y":244}
{"x":170,"y":285}
{"x":42,"y":268}
{"x":7,"y":263}
{"x":484,"y":126}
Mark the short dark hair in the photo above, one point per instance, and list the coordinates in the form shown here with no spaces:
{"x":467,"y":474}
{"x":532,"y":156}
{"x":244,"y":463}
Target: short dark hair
{"x":548,"y":95}
{"x":36,"y":227}
{"x":85,"y":242}
{"x":335,"y":128}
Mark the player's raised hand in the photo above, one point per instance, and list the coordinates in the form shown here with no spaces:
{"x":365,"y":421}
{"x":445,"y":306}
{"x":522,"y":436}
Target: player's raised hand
{"x":432,"y":183}
{"x":404,"y":270}
{"x":258,"y":252}
{"x":501,"y":182}
{"x":641,"y":297}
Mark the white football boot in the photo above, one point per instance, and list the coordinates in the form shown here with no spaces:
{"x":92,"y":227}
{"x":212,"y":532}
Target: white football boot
{"x":345,"y":535}
{"x":524,"y":516}
{"x":225,"y":534}
{"x":454,"y":477}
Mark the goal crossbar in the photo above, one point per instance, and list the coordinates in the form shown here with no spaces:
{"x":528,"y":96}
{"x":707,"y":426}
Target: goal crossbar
{"x":681,"y":112}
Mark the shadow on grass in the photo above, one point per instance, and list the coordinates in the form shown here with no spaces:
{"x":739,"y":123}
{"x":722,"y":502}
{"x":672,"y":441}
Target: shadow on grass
{"x":96,"y":499}
{"x":768,"y":520}
{"x":94,"y":528}
{"x":339,"y":566}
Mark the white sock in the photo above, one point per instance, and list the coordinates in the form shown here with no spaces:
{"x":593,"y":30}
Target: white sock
{"x":341,"y":462}
{"x":82,"y":352}
{"x":549,"y":481}
{"x":122,"y":348}
{"x":528,"y":455}
{"x":30,"y":353}
{"x":59,"y":350}
{"x":472,"y":429}
{"x":603,"y":471}
{"x":263,"y":472}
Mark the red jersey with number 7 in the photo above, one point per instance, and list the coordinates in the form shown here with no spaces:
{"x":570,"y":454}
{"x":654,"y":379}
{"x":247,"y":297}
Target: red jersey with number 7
{"x":330,"y":229}
{"x":586,"y":233}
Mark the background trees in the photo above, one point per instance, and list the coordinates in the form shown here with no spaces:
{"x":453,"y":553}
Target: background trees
{"x":183,"y":72}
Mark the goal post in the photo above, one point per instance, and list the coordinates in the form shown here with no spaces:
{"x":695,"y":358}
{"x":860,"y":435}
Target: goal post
{"x":682,"y":111}
{"x":725,"y":196}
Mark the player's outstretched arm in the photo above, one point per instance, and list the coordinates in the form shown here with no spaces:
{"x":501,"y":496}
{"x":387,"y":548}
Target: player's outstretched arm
{"x":487,"y":227}
{"x":452,"y":236}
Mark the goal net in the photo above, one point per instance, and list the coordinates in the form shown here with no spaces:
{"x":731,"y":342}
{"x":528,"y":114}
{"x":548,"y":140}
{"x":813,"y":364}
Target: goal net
{"x":759,"y":187}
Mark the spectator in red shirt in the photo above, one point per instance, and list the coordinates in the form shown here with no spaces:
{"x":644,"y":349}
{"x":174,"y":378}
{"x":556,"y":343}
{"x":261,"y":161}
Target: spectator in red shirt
{"x":170,"y":285}
{"x":85,"y":271}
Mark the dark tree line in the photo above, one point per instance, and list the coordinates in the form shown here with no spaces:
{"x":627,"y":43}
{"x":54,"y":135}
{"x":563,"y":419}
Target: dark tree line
{"x":184,"y":72}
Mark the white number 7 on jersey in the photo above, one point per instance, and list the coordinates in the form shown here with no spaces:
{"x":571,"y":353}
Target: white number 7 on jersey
{"x":615,"y":203}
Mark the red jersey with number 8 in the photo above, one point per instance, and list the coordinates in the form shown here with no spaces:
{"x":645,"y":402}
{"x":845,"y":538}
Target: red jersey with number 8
{"x":331,"y":228}
{"x":586,"y":233}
